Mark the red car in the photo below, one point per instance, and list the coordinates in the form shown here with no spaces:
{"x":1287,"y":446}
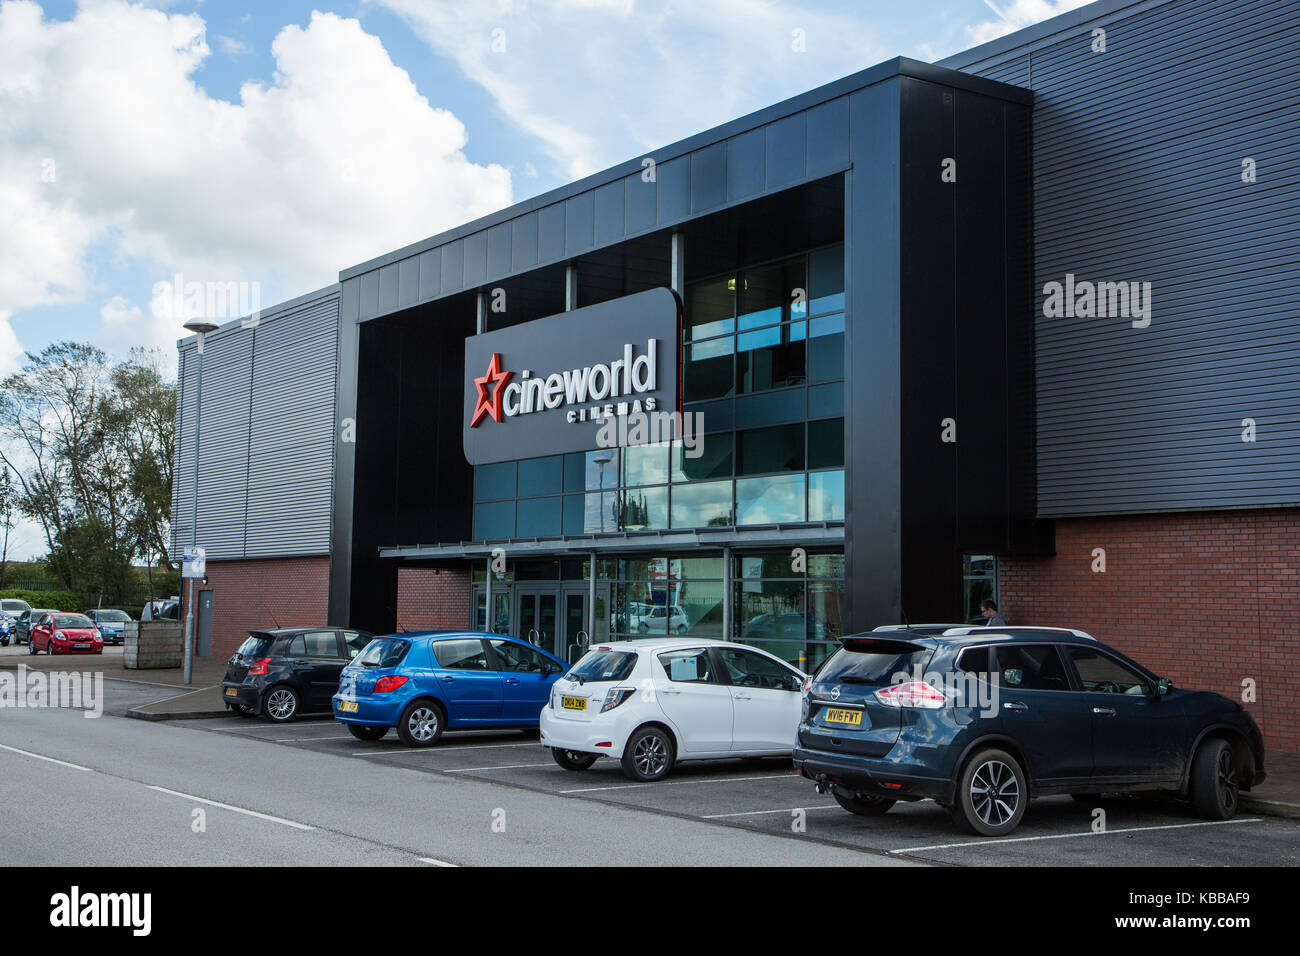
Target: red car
{"x":60,"y":633}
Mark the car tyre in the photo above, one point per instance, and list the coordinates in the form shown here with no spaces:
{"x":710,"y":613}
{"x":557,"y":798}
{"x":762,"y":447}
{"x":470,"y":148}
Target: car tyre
{"x":421,"y":723}
{"x":31,"y":648}
{"x":992,"y":794}
{"x":281,"y":703}
{"x":367,"y":733}
{"x":864,"y":805}
{"x":649,"y":754}
{"x":1214,"y":783}
{"x":572,"y":759}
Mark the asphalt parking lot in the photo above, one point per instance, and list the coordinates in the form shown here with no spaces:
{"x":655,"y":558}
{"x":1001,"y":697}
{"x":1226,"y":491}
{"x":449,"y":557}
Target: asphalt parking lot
{"x":767,"y":796}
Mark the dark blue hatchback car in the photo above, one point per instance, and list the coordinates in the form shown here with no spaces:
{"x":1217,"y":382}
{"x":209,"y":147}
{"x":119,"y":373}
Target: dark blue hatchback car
{"x":982,"y":721}
{"x":423,"y":683}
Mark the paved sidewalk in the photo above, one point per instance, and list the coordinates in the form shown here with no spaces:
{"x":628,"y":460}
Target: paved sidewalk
{"x":1279,"y":795}
{"x":204,"y":671}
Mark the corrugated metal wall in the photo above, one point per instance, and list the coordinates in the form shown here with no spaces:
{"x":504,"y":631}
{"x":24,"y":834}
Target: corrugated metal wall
{"x":266,"y":461}
{"x":1138,"y":156}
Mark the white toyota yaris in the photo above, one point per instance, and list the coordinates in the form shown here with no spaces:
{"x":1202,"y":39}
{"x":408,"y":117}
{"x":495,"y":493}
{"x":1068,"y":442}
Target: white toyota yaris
{"x":652,"y":703}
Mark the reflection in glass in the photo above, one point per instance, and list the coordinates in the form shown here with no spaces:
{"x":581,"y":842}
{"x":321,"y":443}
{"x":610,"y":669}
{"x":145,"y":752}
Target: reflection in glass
{"x":644,"y":509}
{"x":762,"y":450}
{"x":714,"y":459}
{"x":771,"y":358}
{"x":703,"y":505}
{"x":709,"y":371}
{"x":645,"y":464}
{"x":710,"y":307}
{"x":778,"y":498}
{"x":826,"y":496}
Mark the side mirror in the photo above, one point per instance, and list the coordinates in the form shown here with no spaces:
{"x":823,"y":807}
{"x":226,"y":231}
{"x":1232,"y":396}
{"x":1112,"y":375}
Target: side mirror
{"x":1163,"y":686}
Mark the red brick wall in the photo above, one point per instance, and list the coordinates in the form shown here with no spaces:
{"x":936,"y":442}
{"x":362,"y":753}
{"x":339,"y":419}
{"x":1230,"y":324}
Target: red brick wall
{"x":432,"y":598}
{"x":245,"y":594}
{"x":1207,"y":599}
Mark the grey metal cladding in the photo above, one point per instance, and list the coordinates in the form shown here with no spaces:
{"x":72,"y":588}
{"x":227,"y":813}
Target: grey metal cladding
{"x":292,"y":434}
{"x":1138,"y":156}
{"x":267,"y":455}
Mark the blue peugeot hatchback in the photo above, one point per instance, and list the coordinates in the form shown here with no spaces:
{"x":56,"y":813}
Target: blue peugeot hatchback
{"x":426,"y":682}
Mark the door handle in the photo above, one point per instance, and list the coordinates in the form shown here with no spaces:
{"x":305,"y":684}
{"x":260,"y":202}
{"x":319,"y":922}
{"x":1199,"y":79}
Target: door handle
{"x":1014,"y":705}
{"x":512,"y":680}
{"x":446,"y":677}
{"x":1104,"y":711}
{"x":741,"y":697}
{"x":670,"y":691}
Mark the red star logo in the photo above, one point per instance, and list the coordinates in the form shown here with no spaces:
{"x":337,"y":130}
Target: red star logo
{"x":498,"y":379}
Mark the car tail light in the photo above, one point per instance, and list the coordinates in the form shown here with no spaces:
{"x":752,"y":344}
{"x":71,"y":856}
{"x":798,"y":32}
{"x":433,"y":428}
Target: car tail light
{"x":391,"y":682}
{"x":916,"y":693}
{"x":258,"y":667}
{"x":616,"y":696}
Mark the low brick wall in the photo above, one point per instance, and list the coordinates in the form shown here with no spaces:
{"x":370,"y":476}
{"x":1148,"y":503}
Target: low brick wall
{"x":159,"y":644}
{"x":1209,"y":599}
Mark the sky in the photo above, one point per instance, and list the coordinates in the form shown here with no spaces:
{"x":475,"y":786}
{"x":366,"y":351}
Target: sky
{"x":148,"y":146}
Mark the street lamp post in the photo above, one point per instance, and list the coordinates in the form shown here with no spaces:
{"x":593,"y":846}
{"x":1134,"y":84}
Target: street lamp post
{"x":200,"y":327}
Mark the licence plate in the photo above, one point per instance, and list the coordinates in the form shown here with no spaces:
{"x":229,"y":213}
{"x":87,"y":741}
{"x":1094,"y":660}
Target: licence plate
{"x":348,"y":706}
{"x":232,"y":692}
{"x":574,"y":703}
{"x":840,"y":715}
{"x":82,"y":647}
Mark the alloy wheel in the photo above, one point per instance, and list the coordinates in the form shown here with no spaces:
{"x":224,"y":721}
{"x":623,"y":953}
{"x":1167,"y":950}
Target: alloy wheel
{"x":994,"y":793}
{"x":423,"y":723}
{"x":281,"y":704}
{"x":1227,"y":780}
{"x":650,"y":755}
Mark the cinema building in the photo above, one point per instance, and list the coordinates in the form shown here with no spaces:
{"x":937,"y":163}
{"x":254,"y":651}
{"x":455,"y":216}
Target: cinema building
{"x":1021,"y":324}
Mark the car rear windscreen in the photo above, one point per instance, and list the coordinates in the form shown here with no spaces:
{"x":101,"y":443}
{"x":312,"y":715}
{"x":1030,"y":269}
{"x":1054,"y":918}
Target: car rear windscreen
{"x":257,"y":645}
{"x":113,"y":617}
{"x":604,"y":666}
{"x":872,"y":662}
{"x":383,"y":652}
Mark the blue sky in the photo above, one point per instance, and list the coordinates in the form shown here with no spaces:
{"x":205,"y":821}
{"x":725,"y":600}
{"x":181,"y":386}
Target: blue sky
{"x":274,"y":143}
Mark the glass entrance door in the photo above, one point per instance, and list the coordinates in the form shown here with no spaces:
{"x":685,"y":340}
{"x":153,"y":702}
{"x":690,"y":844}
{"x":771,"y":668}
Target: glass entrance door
{"x":575,"y":621}
{"x":500,"y":623}
{"x":536,"y":617}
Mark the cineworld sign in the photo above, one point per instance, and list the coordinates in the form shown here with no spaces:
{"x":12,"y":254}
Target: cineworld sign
{"x":545,"y":387}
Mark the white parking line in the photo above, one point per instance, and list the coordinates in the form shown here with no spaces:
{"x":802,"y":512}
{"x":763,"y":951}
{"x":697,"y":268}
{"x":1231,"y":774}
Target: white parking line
{"x":678,"y":783}
{"x":513,"y":766}
{"x":432,"y":862}
{"x":294,"y":740}
{"x":759,"y":813}
{"x":1067,"y":836}
{"x":61,"y":763}
{"x":432,"y":750}
{"x":227,"y":806}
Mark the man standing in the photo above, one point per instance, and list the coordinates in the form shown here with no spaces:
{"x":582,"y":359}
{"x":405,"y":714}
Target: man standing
{"x":992,"y":618}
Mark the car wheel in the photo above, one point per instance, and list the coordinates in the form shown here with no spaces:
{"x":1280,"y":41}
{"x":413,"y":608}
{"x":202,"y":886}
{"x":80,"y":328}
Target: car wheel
{"x":864,"y":805}
{"x":420,"y":724}
{"x":1214,"y":785}
{"x":572,"y":759}
{"x":367,"y":733}
{"x":991,"y":795}
{"x":280,"y":704}
{"x":649,"y":754}
{"x":31,"y":648}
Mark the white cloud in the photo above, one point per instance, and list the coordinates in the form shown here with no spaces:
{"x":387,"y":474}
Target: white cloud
{"x":232,"y":46}
{"x":1016,"y":15}
{"x":597,"y":80}
{"x":110,"y":151}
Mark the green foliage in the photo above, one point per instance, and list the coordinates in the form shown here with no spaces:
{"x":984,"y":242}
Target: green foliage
{"x":90,"y":443}
{"x":61,"y":600}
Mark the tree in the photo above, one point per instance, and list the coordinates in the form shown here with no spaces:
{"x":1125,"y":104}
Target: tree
{"x":90,"y":441}
{"x":7,"y":509}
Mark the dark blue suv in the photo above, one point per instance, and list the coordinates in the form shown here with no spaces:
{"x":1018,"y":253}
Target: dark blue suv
{"x":983,"y":720}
